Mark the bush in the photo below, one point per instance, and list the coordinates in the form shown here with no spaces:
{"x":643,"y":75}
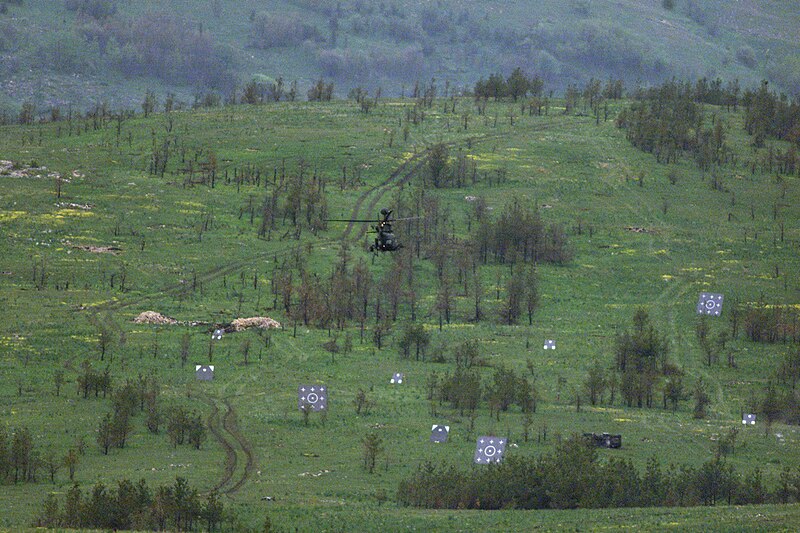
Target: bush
{"x":574,"y":477}
{"x":271,"y":31}
{"x":96,"y":9}
{"x":164,"y":47}
{"x":746,"y":56}
{"x":9,"y":36}
{"x":66,"y":52}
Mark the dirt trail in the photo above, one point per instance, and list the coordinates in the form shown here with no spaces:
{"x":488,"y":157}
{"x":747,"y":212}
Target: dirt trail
{"x":373,"y":195}
{"x":231,"y":426}
{"x":240,"y":460}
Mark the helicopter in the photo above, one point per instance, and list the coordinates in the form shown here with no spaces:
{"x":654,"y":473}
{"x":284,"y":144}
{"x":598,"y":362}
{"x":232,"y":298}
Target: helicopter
{"x":385,"y":241}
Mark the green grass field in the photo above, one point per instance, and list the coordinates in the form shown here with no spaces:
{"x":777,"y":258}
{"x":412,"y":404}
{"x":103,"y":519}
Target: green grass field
{"x":577,"y":172}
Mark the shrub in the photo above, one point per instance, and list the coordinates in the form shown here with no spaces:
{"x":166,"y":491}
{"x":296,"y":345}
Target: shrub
{"x":66,"y":52}
{"x":96,"y":9}
{"x":9,"y":36}
{"x":271,"y":31}
{"x":746,"y":56}
{"x":164,"y":47}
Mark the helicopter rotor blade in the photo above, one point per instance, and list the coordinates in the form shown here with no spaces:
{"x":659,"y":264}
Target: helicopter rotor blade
{"x":350,"y":220}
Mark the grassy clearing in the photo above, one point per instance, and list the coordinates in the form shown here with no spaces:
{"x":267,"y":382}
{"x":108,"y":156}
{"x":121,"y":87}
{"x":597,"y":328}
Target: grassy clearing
{"x":580,"y":174}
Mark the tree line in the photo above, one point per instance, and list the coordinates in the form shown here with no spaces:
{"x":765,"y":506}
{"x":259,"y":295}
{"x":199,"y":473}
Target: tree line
{"x":517,"y":85}
{"x":134,"y":506}
{"x":575,"y":477}
{"x":670,"y":120}
{"x":667,"y":121}
{"x":770,"y":115}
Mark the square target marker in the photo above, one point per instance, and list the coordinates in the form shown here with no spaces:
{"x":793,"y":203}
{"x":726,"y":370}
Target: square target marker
{"x":204,"y":372}
{"x":439,"y":433}
{"x":397,"y":378}
{"x":314,"y":397}
{"x":217,"y":335}
{"x":550,"y":344}
{"x":749,"y":419}
{"x":489,"y":450}
{"x":709,"y":304}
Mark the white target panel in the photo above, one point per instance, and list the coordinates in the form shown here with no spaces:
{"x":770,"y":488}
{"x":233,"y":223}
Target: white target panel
{"x":397,"y":378}
{"x":314,"y":397}
{"x":489,"y":450}
{"x":550,"y":344}
{"x":749,"y":419}
{"x":709,"y":304}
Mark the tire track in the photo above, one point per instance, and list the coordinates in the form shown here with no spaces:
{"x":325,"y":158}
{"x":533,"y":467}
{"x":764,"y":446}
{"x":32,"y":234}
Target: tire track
{"x":400,"y":176}
{"x":406,"y":171}
{"x":237,"y":449}
{"x":230,"y":453}
{"x":231,"y":426}
{"x":392,"y":181}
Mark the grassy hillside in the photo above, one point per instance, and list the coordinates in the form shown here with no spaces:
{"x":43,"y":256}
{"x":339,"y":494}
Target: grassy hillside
{"x":82,"y":52}
{"x":643,"y":235}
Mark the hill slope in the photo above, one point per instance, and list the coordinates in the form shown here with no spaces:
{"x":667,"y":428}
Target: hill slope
{"x":173,"y":213}
{"x":82,"y":52}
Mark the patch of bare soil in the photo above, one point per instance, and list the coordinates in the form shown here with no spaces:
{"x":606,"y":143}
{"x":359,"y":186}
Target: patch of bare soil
{"x":261,"y":322}
{"x":113,"y":250}
{"x":152,"y":317}
{"x":638,"y":229}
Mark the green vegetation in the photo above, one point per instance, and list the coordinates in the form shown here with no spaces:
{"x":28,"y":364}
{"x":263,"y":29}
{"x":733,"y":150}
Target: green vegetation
{"x":522,"y":226}
{"x":84,"y":52}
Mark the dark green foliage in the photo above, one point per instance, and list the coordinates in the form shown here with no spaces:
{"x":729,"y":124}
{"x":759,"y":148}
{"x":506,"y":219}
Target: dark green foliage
{"x":271,"y":30}
{"x":9,"y":36}
{"x":770,"y":406}
{"x":775,"y":324}
{"x":67,"y":52}
{"x":746,"y":56}
{"x":575,"y":477}
{"x":595,"y":384}
{"x":517,"y":85}
{"x":519,"y":234}
{"x":5,"y":455}
{"x":512,"y":307}
{"x":438,"y":162}
{"x":18,"y":459}
{"x":362,"y":403}
{"x":167,"y":48}
{"x":96,"y":9}
{"x":373,"y":447}
{"x":641,"y":360}
{"x":462,"y":390}
{"x":134,"y":506}
{"x":789,"y":369}
{"x":91,"y":381}
{"x":320,"y":91}
{"x":413,"y":335}
{"x":667,"y":121}
{"x":105,"y":433}
{"x":673,"y":388}
{"x":184,"y":426}
{"x":701,"y":398}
